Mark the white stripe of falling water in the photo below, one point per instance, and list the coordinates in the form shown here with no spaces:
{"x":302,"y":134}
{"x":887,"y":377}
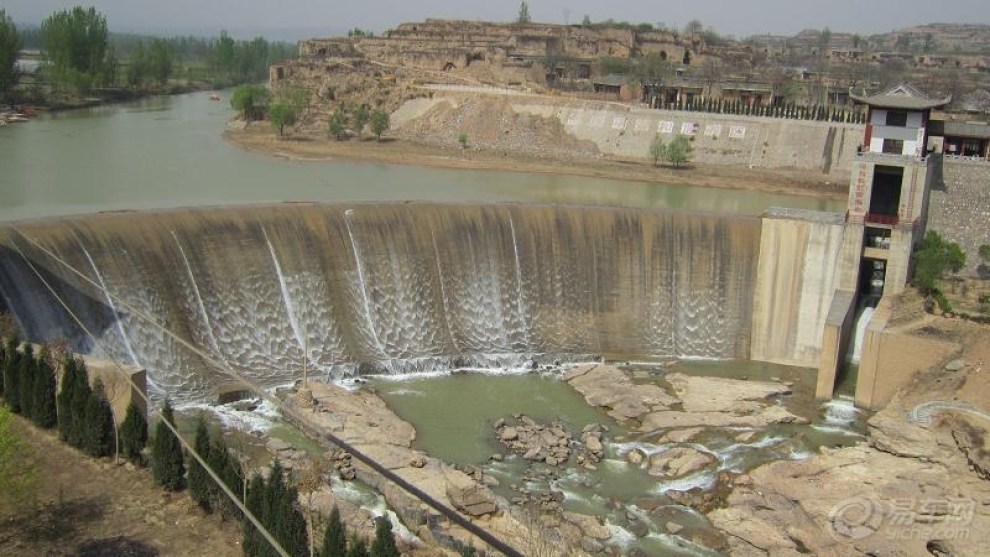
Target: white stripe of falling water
{"x":286,"y":298}
{"x":443,"y":292}
{"x":364,"y":289}
{"x":519,"y":300}
{"x":199,"y":301}
{"x":113,"y":307}
{"x":862,"y":322}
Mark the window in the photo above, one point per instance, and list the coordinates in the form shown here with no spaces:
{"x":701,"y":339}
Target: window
{"x":893,"y":146}
{"x":896,"y":118}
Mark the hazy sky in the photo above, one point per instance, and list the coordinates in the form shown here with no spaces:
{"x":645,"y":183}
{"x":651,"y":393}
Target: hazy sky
{"x":316,"y":17}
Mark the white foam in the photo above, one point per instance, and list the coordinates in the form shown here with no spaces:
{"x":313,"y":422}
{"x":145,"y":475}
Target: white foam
{"x":262,"y":418}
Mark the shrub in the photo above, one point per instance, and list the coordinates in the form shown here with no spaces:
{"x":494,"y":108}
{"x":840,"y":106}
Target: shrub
{"x":133,"y":433}
{"x":166,"y":453}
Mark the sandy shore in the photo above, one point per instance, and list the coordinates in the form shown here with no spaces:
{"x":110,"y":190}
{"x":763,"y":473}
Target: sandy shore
{"x":315,"y":146}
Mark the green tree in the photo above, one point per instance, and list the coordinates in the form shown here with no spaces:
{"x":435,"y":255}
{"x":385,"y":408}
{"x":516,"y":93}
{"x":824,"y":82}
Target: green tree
{"x":10,"y":46}
{"x":99,"y":426}
{"x":137,"y":66}
{"x":229,"y":470}
{"x":12,"y":378}
{"x":43,"y":412}
{"x":75,"y":45}
{"x":161,"y":61}
{"x":523,"y":16}
{"x":379,"y":123}
{"x":255,"y":545}
{"x":586,"y":22}
{"x":25,"y":383}
{"x":334,"y":538}
{"x":251,"y":101}
{"x":357,"y":548}
{"x":17,"y":474}
{"x":933,"y":258}
{"x":678,"y":151}
{"x":338,"y":123}
{"x":657,"y":149}
{"x":282,"y":114}
{"x":384,"y":544}
{"x":133,"y":433}
{"x":166,"y":453}
{"x":199,"y":481}
{"x":360,"y":119}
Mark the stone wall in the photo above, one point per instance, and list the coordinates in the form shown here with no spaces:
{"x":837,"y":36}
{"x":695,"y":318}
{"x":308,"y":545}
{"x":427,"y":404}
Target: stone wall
{"x":747,"y":141}
{"x":959,"y":207}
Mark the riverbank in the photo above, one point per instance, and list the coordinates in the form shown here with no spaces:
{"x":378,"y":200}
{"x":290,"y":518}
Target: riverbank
{"x":309,"y":145}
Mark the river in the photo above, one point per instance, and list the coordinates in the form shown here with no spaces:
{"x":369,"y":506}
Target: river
{"x":167,"y":152}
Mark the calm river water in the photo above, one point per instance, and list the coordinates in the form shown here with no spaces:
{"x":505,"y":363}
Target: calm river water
{"x":168,"y":152}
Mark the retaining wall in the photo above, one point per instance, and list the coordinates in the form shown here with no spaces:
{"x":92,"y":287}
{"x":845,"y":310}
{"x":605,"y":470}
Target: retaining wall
{"x":959,"y":207}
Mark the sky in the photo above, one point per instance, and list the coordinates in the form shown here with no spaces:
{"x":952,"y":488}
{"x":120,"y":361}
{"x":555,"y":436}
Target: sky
{"x":307,"y":18}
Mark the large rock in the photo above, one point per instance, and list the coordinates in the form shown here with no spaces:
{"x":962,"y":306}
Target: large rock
{"x":610,"y":387}
{"x":678,"y":462}
{"x":472,"y":500}
{"x":668,"y":419}
{"x":590,"y":526}
{"x":719,"y":394}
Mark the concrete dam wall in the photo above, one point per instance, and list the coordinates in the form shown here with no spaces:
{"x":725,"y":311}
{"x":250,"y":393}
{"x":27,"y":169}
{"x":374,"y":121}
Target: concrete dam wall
{"x":394,"y":288}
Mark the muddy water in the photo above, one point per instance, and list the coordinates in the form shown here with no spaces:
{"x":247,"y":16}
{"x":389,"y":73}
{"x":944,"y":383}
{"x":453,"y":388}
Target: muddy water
{"x":453,"y":415}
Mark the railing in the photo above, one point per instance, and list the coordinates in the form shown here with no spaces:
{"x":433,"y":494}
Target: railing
{"x":879,"y":218}
{"x":874,"y":156}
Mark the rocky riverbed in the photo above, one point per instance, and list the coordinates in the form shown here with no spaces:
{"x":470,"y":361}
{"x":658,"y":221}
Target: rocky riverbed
{"x":906,"y":488}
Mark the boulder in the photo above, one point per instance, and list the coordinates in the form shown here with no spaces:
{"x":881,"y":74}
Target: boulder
{"x":472,"y":500}
{"x":678,"y":462}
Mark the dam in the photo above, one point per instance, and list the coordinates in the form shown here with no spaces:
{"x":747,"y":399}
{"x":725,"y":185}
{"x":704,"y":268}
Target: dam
{"x":354,"y":289}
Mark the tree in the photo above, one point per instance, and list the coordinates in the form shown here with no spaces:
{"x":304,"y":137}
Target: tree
{"x":657,"y":149}
{"x":166,"y":453}
{"x":360,"y":119}
{"x":693,"y":27}
{"x":161,"y":61}
{"x":10,"y":46}
{"x":17,"y":474}
{"x":75,"y":45}
{"x":99,"y":426}
{"x":43,"y":412}
{"x":12,"y":379}
{"x":338,"y":123}
{"x":933,"y":258}
{"x":384,"y":544}
{"x":256,"y":501}
{"x":199,"y":480}
{"x":137,"y":66}
{"x":678,"y":151}
{"x":379,"y":123}
{"x":523,"y":16}
{"x":357,"y":548}
{"x":334,"y":538}
{"x":133,"y":433}
{"x":586,"y":22}
{"x":281,"y":114}
{"x":251,"y":101}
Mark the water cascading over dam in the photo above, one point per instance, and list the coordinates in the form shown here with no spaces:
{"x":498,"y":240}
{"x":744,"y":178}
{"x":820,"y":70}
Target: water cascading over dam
{"x":387,"y":288}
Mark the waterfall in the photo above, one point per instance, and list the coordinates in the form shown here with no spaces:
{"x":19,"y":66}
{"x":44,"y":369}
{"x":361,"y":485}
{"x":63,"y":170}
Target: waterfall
{"x":859,"y":333}
{"x":113,"y":307}
{"x":391,"y":288}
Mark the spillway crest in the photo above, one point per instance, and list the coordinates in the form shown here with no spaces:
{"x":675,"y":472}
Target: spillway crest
{"x":384,"y":288}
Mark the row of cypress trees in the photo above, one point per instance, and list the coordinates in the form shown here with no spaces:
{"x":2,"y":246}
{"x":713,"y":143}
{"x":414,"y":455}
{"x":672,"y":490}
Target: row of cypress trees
{"x":28,"y":384}
{"x":84,"y":419}
{"x":336,"y":544}
{"x":81,"y":413}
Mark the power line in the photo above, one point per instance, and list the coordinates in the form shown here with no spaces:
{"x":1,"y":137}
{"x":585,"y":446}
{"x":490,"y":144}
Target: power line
{"x":224,"y":368}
